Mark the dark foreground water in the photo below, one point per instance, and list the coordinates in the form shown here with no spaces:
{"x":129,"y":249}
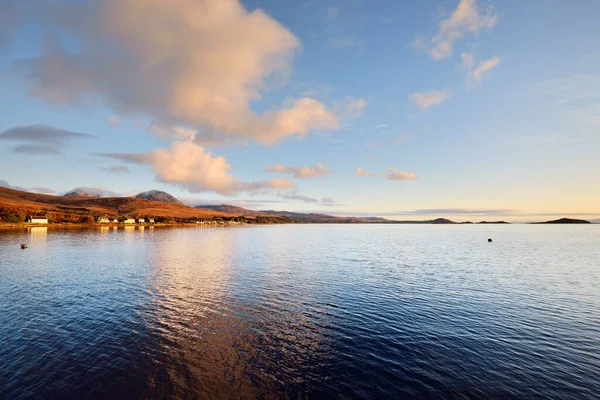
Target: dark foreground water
{"x":301,"y":311}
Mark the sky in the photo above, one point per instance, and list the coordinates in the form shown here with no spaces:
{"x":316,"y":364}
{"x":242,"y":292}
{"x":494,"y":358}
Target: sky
{"x":466,"y":109}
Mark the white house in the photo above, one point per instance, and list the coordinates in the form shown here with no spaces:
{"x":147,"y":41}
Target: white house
{"x":141,"y":220}
{"x":150,"y":220}
{"x":38,"y":219}
{"x":129,"y":221}
{"x":115,"y":221}
{"x":103,"y":220}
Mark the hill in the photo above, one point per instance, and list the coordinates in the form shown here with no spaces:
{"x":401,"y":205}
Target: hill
{"x":15,"y":205}
{"x":89,"y":192}
{"x":566,"y":221}
{"x":233,"y":210}
{"x":157,"y":195}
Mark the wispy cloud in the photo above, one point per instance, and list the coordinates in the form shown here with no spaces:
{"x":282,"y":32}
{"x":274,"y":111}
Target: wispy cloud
{"x":36,"y":149}
{"x":485,"y":66}
{"x":116,"y":169}
{"x":316,"y":171}
{"x":397,"y":175}
{"x":403,"y":138}
{"x":297,"y":197}
{"x":293,"y":196}
{"x":467,"y":18}
{"x":424,"y":100}
{"x":328,"y":201}
{"x":113,"y":120}
{"x":41,"y":134}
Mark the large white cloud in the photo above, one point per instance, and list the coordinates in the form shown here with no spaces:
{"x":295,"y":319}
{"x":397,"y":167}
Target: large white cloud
{"x":187,"y":164}
{"x":196,"y":63}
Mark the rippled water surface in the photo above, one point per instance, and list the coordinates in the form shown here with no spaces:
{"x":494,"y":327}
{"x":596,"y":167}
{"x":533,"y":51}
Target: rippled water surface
{"x":301,"y":311}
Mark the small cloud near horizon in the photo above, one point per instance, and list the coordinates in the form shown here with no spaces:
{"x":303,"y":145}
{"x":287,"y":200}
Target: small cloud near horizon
{"x":362,"y":172}
{"x":397,"y":175}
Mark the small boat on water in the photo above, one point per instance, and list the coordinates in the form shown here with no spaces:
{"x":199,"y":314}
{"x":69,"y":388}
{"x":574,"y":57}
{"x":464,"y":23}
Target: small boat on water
{"x":24,"y":245}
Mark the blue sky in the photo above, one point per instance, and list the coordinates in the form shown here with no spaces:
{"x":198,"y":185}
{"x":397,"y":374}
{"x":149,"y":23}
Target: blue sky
{"x":467,"y":109}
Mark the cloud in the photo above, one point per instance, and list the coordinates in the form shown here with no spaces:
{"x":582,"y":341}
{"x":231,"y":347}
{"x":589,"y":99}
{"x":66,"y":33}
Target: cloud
{"x":41,"y":134}
{"x":485,"y":66}
{"x":117,"y":169}
{"x":202,"y":64}
{"x":466,"y":18}
{"x":203,"y":138}
{"x":403,"y":138}
{"x":36,"y":149}
{"x":10,"y":15}
{"x":332,"y":13}
{"x":295,"y":196}
{"x":477,"y":74}
{"x":381,"y":126}
{"x":328,"y":202}
{"x":352,"y":108}
{"x":396,"y":175}
{"x":189,"y":165}
{"x":113,"y":120}
{"x":316,"y":171}
{"x":345,"y":41}
{"x":424,"y":100}
{"x":361,"y":172}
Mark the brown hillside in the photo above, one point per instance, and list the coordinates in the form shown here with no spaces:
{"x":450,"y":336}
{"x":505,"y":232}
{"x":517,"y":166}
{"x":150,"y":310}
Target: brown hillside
{"x":25,"y":202}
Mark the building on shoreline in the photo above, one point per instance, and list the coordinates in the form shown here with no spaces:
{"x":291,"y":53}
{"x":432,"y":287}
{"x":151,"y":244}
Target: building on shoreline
{"x":37,"y":219}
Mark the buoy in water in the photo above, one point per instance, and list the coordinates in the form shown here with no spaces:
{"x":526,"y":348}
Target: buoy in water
{"x":23,"y":246}
{"x":490,"y":240}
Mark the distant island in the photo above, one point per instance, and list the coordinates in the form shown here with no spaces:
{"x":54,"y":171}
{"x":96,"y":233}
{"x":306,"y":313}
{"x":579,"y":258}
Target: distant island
{"x":95,"y":206}
{"x":566,"y":221}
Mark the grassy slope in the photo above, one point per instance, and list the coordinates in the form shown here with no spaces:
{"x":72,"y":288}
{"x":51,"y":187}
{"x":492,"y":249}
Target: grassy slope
{"x":111,"y":206}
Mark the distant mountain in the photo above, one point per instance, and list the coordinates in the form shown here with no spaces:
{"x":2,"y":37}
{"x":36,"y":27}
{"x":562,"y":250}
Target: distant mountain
{"x":90,"y":192}
{"x":315,"y":218}
{"x":225,"y":208}
{"x":493,"y":222}
{"x":157,"y":195}
{"x":566,"y":221}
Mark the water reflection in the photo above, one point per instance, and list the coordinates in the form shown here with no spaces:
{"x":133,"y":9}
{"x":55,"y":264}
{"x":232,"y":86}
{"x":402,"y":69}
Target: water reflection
{"x":299,"y":311}
{"x":210,"y":319}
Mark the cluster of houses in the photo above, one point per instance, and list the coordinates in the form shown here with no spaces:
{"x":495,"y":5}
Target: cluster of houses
{"x":104,"y":220}
{"x":43,"y":219}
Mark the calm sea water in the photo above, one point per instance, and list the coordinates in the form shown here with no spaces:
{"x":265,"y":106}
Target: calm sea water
{"x":340,"y":311}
